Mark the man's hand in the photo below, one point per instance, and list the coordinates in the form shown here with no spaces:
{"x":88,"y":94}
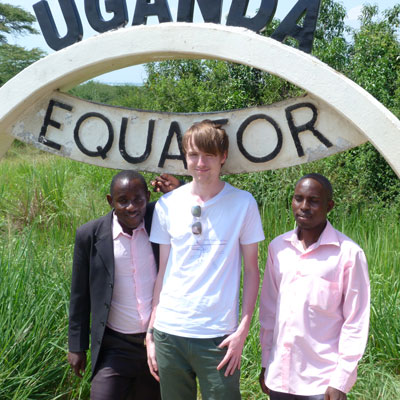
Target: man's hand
{"x":233,"y":356}
{"x":165,"y":183}
{"x":77,"y":361}
{"x":334,"y":394}
{"x":151,"y":356}
{"x":261,"y":379}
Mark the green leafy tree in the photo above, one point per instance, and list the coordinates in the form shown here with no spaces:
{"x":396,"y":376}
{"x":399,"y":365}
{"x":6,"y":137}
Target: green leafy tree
{"x":15,"y":20}
{"x":13,"y":59}
{"x":375,"y":55}
{"x":330,"y":43}
{"x":374,"y":63}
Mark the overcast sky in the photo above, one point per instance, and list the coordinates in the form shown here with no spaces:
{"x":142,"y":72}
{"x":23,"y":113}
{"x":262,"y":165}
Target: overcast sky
{"x":136,"y":74}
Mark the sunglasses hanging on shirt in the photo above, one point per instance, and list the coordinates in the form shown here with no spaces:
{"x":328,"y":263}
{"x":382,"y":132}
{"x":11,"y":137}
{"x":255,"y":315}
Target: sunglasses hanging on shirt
{"x":196,"y":226}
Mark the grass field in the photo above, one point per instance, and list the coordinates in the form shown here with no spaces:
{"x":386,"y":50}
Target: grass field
{"x":44,"y":199}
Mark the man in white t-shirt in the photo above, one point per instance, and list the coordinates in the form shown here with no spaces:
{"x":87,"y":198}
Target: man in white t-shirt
{"x":204,"y":229}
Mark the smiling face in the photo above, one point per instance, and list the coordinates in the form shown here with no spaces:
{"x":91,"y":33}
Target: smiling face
{"x":202,"y":166}
{"x":310,"y":205}
{"x":129,"y":199}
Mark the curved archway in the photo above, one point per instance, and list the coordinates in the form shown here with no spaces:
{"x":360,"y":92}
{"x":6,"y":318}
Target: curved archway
{"x":141,"y":44}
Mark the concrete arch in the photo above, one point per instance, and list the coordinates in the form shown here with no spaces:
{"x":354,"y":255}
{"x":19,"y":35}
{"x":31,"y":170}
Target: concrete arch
{"x":141,"y":44}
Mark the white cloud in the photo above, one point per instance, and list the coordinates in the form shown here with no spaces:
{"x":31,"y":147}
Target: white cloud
{"x":354,"y":13}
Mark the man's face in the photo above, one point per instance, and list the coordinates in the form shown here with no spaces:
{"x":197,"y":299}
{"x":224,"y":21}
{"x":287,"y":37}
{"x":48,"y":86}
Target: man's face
{"x":310,"y":204}
{"x":129,"y":200}
{"x":203,"y":167}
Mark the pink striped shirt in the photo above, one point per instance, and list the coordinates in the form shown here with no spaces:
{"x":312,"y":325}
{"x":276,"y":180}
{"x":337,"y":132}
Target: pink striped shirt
{"x":314,"y":313}
{"x":134,"y":278}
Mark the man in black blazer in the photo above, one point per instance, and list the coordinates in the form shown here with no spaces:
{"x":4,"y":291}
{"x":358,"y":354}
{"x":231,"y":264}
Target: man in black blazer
{"x":119,"y":360}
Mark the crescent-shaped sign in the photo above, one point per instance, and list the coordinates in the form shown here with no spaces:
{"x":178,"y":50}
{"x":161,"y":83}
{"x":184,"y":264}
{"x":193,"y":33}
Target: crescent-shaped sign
{"x":354,"y":114}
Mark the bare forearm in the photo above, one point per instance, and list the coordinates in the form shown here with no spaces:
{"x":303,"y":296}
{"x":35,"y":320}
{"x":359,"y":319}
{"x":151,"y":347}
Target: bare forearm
{"x":235,"y":341}
{"x":251,"y":282}
{"x":151,"y":353}
{"x":164,"y":254}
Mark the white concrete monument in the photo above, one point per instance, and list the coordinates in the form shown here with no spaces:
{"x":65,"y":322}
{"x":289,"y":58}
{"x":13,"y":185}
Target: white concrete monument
{"x":336,"y":114}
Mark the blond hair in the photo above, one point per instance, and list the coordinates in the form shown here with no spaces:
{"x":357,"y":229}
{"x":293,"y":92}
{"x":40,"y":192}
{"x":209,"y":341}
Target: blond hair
{"x":208,"y":136}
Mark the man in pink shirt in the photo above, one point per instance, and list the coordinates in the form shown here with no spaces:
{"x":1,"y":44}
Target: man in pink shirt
{"x":314,"y":303}
{"x":114,"y":271}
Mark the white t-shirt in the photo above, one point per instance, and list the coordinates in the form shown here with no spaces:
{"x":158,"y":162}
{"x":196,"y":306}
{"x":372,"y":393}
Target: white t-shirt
{"x":200,"y":293}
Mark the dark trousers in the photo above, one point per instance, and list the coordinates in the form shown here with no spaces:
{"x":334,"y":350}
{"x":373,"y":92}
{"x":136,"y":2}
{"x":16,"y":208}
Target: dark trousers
{"x":122,"y":372}
{"x":181,"y":360}
{"x":286,"y":396}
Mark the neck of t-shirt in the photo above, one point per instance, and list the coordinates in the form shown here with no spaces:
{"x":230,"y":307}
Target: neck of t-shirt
{"x":205,"y":192}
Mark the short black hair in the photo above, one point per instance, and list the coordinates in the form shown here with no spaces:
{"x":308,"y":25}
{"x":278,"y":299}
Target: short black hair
{"x":130,"y":175}
{"x":324,"y":181}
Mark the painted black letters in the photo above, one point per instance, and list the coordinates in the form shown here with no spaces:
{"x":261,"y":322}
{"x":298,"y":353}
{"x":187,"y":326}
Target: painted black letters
{"x":101,"y":151}
{"x":144,"y":9}
{"x":243,"y":127}
{"x":210,"y":10}
{"x":98,"y":23}
{"x":49,"y":29}
{"x":304,"y":35}
{"x":122,"y":145}
{"x":237,"y":12}
{"x":174,"y":129}
{"x":304,"y":10}
{"x":48,"y":121}
{"x":309,"y":126}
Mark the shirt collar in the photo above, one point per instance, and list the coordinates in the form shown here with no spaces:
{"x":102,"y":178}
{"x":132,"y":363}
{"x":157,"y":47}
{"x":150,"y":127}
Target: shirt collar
{"x":117,"y":228}
{"x":327,"y":237}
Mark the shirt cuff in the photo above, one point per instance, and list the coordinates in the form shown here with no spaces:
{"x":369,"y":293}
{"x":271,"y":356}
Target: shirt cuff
{"x":343,"y":381}
{"x":264,"y":358}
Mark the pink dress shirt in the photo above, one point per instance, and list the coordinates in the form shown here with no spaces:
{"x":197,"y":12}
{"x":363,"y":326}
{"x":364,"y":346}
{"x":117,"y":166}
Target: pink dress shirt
{"x":314,"y":313}
{"x":134,"y":278}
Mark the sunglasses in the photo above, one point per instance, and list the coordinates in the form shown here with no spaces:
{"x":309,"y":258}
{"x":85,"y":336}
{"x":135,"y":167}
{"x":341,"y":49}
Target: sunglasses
{"x":196,"y":227}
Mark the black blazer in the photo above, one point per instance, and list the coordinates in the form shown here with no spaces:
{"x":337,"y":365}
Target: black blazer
{"x":93,"y":281}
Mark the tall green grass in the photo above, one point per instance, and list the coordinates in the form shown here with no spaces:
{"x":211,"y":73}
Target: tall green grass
{"x":43,"y":200}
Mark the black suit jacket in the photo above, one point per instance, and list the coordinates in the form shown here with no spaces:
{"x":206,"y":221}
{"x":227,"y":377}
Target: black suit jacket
{"x":93,"y":281}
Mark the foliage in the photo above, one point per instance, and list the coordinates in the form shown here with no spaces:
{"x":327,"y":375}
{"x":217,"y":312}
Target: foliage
{"x":15,"y":20}
{"x":375,"y":55}
{"x":373,"y":62}
{"x":119,"y":95}
{"x":13,"y":59}
{"x":212,"y":85}
{"x":368,"y":55}
{"x":41,"y":193}
{"x":43,"y":200}
{"x":330,"y":44}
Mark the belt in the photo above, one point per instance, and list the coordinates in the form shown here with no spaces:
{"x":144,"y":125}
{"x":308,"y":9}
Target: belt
{"x":137,"y":338}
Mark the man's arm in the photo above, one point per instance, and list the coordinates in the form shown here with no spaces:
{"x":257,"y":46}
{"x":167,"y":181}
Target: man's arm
{"x":334,"y":394}
{"x":251,"y":281}
{"x":261,"y":380}
{"x":151,"y":351}
{"x":77,"y":361}
{"x":354,"y":333}
{"x":165,"y":183}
